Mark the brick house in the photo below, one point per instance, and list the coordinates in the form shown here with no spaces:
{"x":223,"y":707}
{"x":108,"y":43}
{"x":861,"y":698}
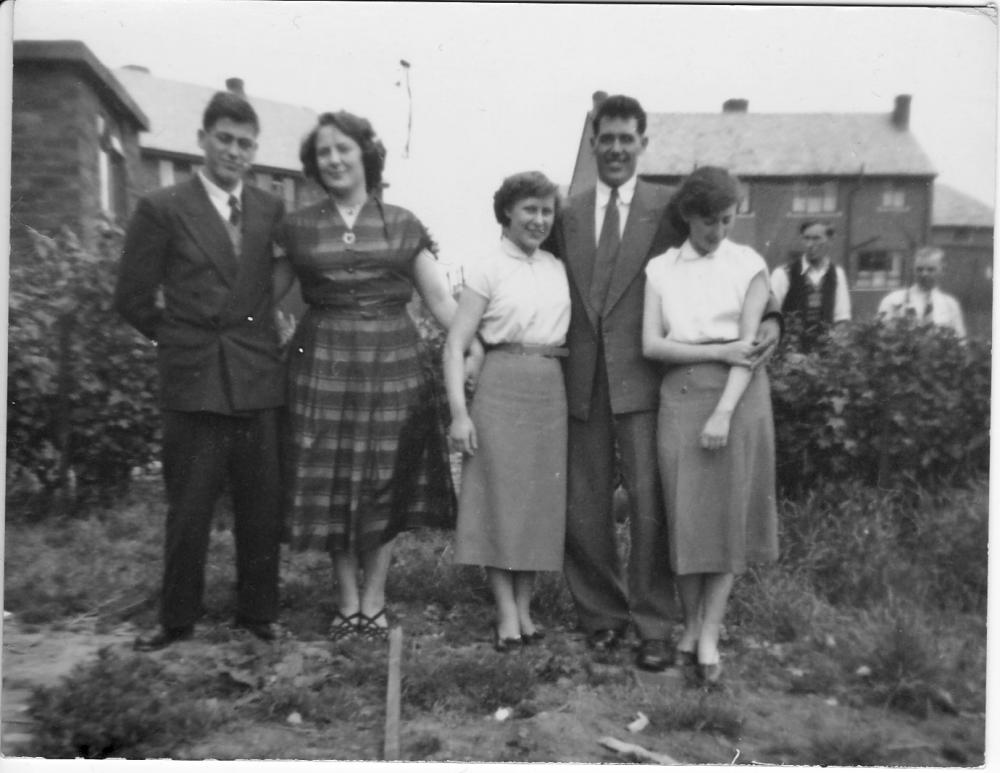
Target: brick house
{"x":74,"y":142}
{"x":963,"y":227}
{"x":864,"y":173}
{"x":170,"y":153}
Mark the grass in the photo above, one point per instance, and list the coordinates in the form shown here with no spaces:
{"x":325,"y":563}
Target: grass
{"x":878,"y":602}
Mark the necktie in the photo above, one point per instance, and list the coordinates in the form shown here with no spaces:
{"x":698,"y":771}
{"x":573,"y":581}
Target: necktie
{"x":607,"y":253}
{"x":235,"y":218}
{"x":928,"y":310}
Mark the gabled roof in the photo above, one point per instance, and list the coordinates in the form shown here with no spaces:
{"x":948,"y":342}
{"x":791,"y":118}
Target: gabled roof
{"x":175,"y":109}
{"x":954,"y":208}
{"x":77,"y":55}
{"x":781,"y":144}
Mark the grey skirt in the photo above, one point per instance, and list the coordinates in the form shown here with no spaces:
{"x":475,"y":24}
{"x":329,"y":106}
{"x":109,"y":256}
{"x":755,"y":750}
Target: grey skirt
{"x":720,"y":505}
{"x":512,"y":503}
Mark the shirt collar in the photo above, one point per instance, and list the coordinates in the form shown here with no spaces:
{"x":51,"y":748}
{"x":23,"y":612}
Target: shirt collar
{"x":821,"y":268}
{"x":512,"y":250}
{"x":688,"y":252}
{"x":625,"y":192}
{"x":217,"y":194}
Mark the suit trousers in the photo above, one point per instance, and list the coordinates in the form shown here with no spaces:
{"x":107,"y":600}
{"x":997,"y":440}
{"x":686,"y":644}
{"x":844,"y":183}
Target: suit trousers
{"x":592,"y":564}
{"x":200,"y":451}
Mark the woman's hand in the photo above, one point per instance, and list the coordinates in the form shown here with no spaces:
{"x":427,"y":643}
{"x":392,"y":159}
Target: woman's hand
{"x":463,"y":435}
{"x":716,"y":431}
{"x":737,"y":353}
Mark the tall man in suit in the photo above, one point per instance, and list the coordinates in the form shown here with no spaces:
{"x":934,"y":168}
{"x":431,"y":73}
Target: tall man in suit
{"x":196,"y":278}
{"x":606,"y":236}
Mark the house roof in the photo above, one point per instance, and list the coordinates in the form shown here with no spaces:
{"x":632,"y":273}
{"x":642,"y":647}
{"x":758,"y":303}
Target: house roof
{"x":954,"y":208}
{"x":77,"y":55}
{"x":175,"y":108}
{"x":781,"y":144}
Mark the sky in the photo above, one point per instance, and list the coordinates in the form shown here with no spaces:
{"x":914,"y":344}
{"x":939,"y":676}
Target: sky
{"x":501,"y":88}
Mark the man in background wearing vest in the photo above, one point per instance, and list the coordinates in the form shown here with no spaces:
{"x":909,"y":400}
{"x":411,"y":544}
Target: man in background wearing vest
{"x":923,"y":300}
{"x":812,"y":287}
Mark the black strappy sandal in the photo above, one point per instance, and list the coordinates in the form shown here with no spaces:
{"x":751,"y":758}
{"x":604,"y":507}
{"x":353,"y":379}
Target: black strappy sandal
{"x":344,"y":626}
{"x":368,"y":627}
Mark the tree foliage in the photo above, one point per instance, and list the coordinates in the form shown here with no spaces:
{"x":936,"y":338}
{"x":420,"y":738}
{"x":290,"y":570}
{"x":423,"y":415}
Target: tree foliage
{"x":81,"y":385}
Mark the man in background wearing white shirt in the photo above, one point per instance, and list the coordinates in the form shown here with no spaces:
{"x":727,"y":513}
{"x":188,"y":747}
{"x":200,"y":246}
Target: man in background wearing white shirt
{"x":923,"y":300}
{"x":812,"y":286}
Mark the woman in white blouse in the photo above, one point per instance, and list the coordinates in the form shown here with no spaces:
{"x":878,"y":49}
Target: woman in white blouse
{"x":512,"y":501}
{"x":715,"y":432}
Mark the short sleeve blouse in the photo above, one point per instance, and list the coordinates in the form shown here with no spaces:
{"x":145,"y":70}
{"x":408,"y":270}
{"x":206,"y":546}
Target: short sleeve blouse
{"x":367,"y":265}
{"x":527,"y":296}
{"x":702,"y":295}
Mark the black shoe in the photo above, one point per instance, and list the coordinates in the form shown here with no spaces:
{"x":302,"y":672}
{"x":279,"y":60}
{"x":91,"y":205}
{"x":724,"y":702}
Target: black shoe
{"x":654,"y":655}
{"x":710,"y":674}
{"x":605,"y":639}
{"x":263,"y":631}
{"x":506,"y":645}
{"x":685,"y":658}
{"x":533,"y":638}
{"x":164,"y":637}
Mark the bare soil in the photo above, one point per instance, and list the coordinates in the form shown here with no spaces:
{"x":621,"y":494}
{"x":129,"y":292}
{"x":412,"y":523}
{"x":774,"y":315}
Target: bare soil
{"x":563,"y":721}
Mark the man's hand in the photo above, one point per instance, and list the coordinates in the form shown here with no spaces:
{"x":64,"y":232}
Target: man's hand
{"x":764,"y":345}
{"x":286,"y":327}
{"x":473,"y":365}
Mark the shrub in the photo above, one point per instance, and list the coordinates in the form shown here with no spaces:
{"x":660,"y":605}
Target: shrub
{"x":881,"y":403}
{"x":81,"y":385}
{"x":120,"y":707}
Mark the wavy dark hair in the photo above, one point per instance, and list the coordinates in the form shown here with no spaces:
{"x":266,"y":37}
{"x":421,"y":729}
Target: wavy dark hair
{"x":619,"y":106}
{"x":523,"y":185}
{"x":707,"y":191}
{"x":225,"y":104}
{"x":358,"y":129}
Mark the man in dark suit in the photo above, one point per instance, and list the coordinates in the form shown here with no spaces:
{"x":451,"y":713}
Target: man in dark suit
{"x":606,"y":236}
{"x":196,"y":278}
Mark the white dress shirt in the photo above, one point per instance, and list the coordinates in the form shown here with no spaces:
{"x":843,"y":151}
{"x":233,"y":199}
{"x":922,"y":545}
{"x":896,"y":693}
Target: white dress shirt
{"x":220,"y":197}
{"x":945,"y":309}
{"x":625,"y":193}
{"x":842,"y":299}
{"x":702,"y":296}
{"x":527,"y":296}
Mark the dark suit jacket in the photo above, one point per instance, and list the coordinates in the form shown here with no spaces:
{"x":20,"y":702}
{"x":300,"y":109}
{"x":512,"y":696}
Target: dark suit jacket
{"x":633,"y":380}
{"x":218,"y":346}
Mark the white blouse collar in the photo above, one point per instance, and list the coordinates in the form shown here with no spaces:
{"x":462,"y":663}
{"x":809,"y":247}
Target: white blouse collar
{"x":512,"y":250}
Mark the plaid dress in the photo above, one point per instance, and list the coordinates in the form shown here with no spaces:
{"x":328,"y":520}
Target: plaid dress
{"x":366,"y":406}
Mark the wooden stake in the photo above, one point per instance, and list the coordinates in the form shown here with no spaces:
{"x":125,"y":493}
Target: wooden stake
{"x":392,"y":695}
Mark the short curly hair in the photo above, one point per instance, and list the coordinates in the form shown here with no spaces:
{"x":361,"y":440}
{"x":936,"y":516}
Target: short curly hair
{"x":358,"y":129}
{"x":523,"y":185}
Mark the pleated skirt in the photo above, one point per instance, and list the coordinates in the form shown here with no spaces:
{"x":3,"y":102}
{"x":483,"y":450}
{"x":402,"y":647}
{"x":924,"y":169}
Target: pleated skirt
{"x":367,"y":422}
{"x":512,"y":501}
{"x":720,"y":505}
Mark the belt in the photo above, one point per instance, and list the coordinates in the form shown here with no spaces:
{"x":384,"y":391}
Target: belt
{"x":361,"y":312}
{"x":539,"y":350}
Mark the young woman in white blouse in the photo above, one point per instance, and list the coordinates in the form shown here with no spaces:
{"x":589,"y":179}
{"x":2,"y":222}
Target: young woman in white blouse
{"x":512,"y":502}
{"x":715,"y":432}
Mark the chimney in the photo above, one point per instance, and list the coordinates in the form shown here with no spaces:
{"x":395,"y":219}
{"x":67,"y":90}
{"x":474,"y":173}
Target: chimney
{"x":735,"y":106}
{"x":136,"y":68}
{"x":235,"y":85}
{"x":598,"y":97}
{"x":901,"y":112}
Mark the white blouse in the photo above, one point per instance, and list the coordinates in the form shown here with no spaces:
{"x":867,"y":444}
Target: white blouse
{"x":701,"y":296}
{"x":528,"y":296}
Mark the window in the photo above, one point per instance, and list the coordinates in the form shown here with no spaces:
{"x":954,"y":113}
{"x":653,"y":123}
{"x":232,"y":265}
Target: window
{"x":893,"y":198}
{"x":814,"y":199}
{"x":879,"y":270}
{"x":744,"y":208}
{"x":166,"y":167}
{"x":111,"y":170}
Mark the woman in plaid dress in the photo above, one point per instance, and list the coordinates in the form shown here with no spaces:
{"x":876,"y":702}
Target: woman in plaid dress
{"x":369,"y":456}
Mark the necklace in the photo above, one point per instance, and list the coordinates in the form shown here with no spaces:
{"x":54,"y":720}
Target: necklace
{"x":349,"y":214}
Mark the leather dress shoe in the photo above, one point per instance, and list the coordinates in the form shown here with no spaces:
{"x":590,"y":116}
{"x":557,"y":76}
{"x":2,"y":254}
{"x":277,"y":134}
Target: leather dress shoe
{"x":163,"y":637}
{"x":654,"y":655}
{"x":685,"y":658}
{"x":605,"y":639}
{"x":533,"y":638}
{"x":506,"y":644}
{"x":263,"y":631}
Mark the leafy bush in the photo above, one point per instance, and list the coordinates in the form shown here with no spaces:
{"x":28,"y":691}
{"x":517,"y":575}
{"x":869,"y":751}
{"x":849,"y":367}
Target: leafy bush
{"x":120,"y":706}
{"x":881,"y":403}
{"x":81,"y":385}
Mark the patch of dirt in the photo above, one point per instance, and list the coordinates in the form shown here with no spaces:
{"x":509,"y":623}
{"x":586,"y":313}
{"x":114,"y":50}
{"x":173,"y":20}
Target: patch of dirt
{"x":563,"y":721}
